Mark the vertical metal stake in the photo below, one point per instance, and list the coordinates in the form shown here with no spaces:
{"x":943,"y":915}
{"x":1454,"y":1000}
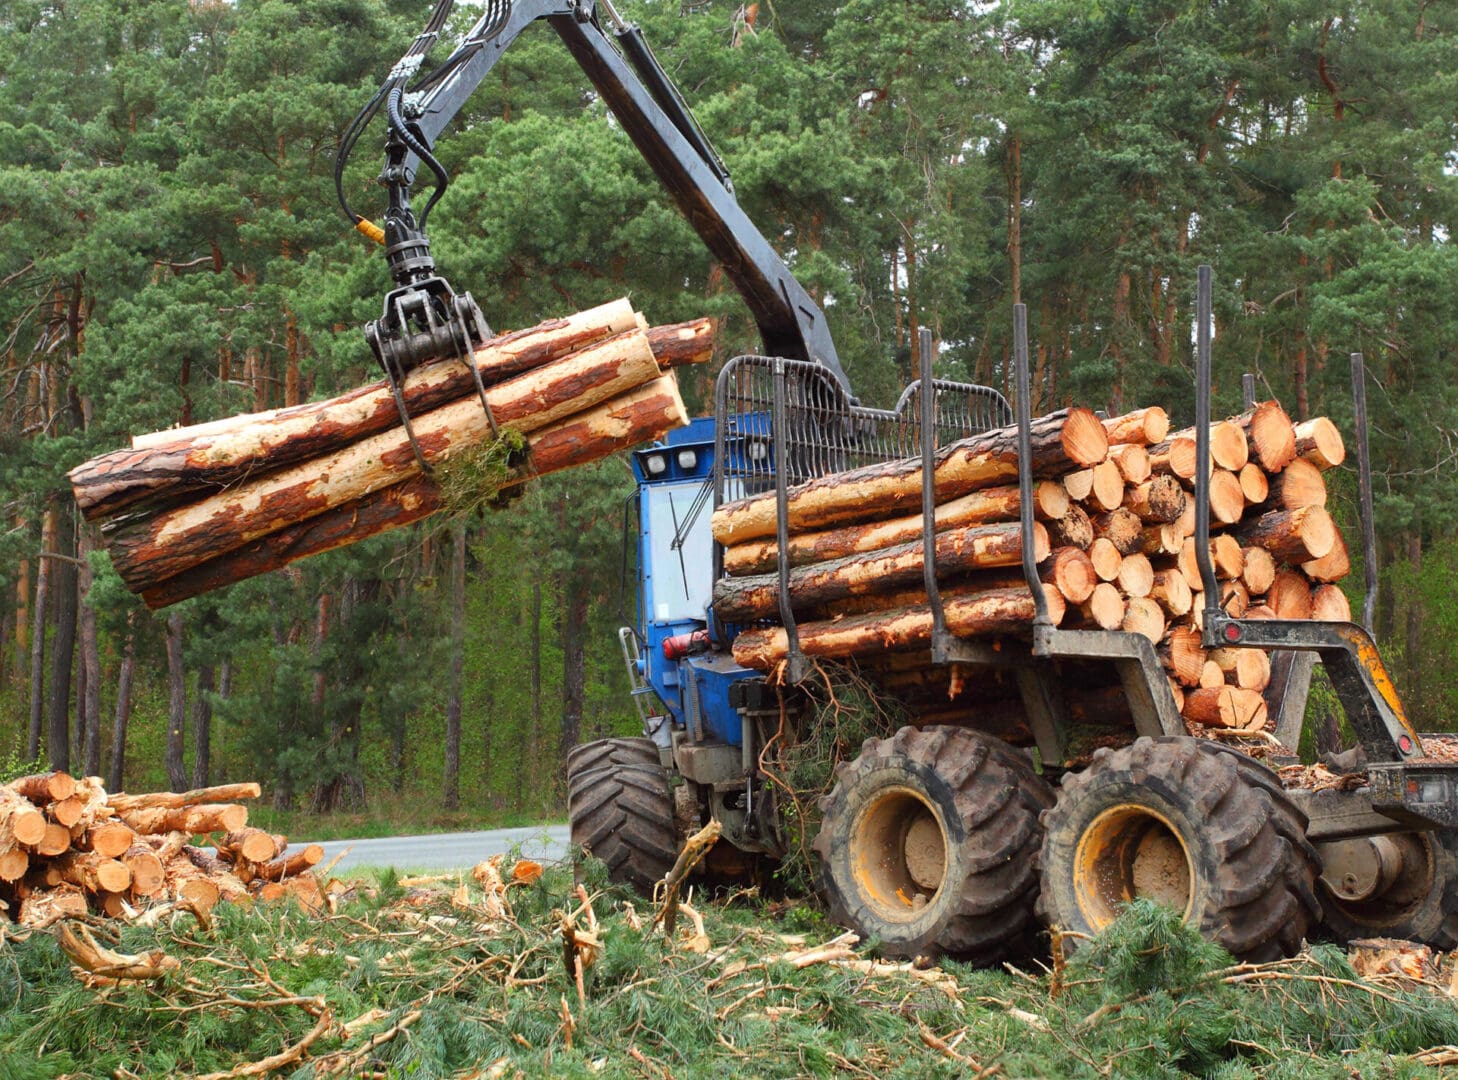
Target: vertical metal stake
{"x":1041,"y":622}
{"x":927,"y":392}
{"x":1364,"y":488}
{"x":795,"y":660}
{"x":1203,"y":318}
{"x":1247,"y":390}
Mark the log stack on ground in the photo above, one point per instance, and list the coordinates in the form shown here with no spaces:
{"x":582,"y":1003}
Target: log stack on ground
{"x":191,"y":509}
{"x":1113,"y":539}
{"x":125,"y":853}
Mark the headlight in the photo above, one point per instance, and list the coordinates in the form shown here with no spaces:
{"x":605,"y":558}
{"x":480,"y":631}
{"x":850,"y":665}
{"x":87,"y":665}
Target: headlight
{"x":657,"y":464}
{"x":687,"y":459}
{"x":758,"y":451}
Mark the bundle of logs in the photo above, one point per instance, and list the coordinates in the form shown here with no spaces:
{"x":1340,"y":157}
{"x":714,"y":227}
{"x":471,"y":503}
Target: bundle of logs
{"x":192,"y":509}
{"x":1113,"y":538}
{"x":67,"y":847}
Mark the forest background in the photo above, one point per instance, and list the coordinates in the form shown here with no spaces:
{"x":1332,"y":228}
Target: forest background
{"x":171,"y":252}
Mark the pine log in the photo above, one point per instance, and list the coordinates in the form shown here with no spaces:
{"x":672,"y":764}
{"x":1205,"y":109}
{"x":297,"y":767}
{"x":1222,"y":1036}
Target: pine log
{"x":1158,"y":501}
{"x":1260,"y":610}
{"x":1142,"y":426}
{"x":1157,"y":540}
{"x":1289,"y":595}
{"x":682,"y":344}
{"x":1073,"y":529}
{"x":1105,"y":559}
{"x":1299,"y":484}
{"x":1293,"y":536}
{"x":995,"y":504}
{"x":110,"y":838}
{"x":1234,"y":599}
{"x":121,"y":802}
{"x":296,"y":862}
{"x":1271,"y":436}
{"x":1132,"y":460}
{"x":1229,"y":448}
{"x":220,"y":873}
{"x":1177,"y":692}
{"x":1186,"y":523}
{"x":1227,"y":500}
{"x":1183,"y":655}
{"x":1226,"y":707}
{"x":67,"y":811}
{"x":1329,"y":603}
{"x":1333,"y":566}
{"x":112,"y":905}
{"x":1211,"y":676}
{"x":1319,"y":441}
{"x":1120,"y":527}
{"x":1250,"y":669}
{"x":1107,"y":492}
{"x":187,"y":882}
{"x":20,"y":821}
{"x":1254,"y":484}
{"x":187,"y":819}
{"x":1078,"y":484}
{"x":159,"y":546}
{"x":1225,"y":554}
{"x":746,"y":599}
{"x":1070,"y":439}
{"x":178,"y":464}
{"x":624,"y":422}
{"x":1104,"y":608}
{"x":14,"y":862}
{"x":1171,"y":591}
{"x":41,"y":907}
{"x":43,"y":788}
{"x":1175,"y":456}
{"x":1071,"y":572}
{"x":93,"y":871}
{"x":149,"y":876}
{"x":56,"y":840}
{"x":1143,"y":616}
{"x":250,"y":845}
{"x":305,"y":890}
{"x":1136,"y":575}
{"x":1258,"y":570}
{"x":996,"y":611}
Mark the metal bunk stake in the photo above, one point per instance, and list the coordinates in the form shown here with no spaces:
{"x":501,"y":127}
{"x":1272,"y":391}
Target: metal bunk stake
{"x":1203,"y":320}
{"x":927,"y":410}
{"x":795,"y":666}
{"x":1042,"y":624}
{"x":1364,"y":488}
{"x":1247,"y":390}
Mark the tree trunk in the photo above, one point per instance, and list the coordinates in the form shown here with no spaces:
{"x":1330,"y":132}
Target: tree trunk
{"x":38,"y":635}
{"x":63,"y":654}
{"x":91,"y":666}
{"x":1415,"y":619}
{"x":450,"y":782}
{"x":116,"y":771}
{"x":176,"y":704}
{"x":202,"y":725}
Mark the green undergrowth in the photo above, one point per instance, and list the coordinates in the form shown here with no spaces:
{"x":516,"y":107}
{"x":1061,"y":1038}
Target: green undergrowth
{"x":463,"y":993}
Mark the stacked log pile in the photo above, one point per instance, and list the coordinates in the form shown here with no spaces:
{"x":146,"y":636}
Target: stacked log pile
{"x":69,"y":847}
{"x":188,"y":510}
{"x":1113,"y":539}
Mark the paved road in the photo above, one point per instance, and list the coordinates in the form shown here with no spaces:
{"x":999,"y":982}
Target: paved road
{"x":448,"y":851}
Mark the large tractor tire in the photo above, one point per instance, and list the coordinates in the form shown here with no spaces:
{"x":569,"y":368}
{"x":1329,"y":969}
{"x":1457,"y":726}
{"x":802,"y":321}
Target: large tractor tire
{"x":623,"y":815}
{"x":1190,"y":824}
{"x":1420,"y":902}
{"x":595,"y":755}
{"x":929,"y":842}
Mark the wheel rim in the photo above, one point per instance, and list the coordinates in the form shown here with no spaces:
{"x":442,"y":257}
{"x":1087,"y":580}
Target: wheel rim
{"x":1131,"y":851}
{"x":899,"y":853}
{"x":1405,"y":896}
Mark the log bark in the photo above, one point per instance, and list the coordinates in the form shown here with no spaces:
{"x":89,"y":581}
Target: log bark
{"x":1319,"y":441}
{"x":1226,"y":707}
{"x":624,"y":422}
{"x":295,"y":862}
{"x":1144,"y":427}
{"x":45,"y":906}
{"x":121,"y":802}
{"x":1062,"y":441}
{"x":1300,"y":484}
{"x":1293,"y":536}
{"x":1271,"y":435}
{"x":187,"y":819}
{"x":747,"y":599}
{"x":996,"y":504}
{"x":1120,"y":527}
{"x":682,"y":344}
{"x":1073,"y":529}
{"x":180,"y":463}
{"x":1159,"y":501}
{"x":159,"y":546}
{"x":995,"y":611}
{"x":44,"y":787}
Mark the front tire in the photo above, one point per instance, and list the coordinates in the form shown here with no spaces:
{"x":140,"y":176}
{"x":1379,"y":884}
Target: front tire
{"x":586,"y":757}
{"x":929,"y":841}
{"x":623,"y":815}
{"x":1190,"y":824}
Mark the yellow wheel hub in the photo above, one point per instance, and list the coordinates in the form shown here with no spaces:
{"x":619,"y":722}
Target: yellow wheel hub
{"x":1130,"y":851}
{"x":899,"y":853}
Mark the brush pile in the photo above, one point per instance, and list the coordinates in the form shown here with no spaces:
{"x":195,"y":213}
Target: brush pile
{"x":1115,"y":517}
{"x":67,"y":847}
{"x":188,"y":510}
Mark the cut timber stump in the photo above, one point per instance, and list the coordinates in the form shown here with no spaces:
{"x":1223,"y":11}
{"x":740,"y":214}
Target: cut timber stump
{"x":1272,"y":438}
{"x":1062,"y":441}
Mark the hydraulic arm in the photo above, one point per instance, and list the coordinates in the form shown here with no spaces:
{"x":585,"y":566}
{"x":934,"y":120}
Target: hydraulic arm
{"x":424,"y":318}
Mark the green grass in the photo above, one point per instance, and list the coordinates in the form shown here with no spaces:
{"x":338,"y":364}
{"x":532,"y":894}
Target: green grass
{"x":1149,"y":999}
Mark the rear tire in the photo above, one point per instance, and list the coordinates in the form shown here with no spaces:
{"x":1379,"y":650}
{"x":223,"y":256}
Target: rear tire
{"x":1188,"y":823}
{"x":1423,"y":908}
{"x":595,"y":755}
{"x":623,"y":815}
{"x":929,"y":841}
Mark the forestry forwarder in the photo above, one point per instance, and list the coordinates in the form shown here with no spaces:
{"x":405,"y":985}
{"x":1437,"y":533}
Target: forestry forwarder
{"x":989,"y":844}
